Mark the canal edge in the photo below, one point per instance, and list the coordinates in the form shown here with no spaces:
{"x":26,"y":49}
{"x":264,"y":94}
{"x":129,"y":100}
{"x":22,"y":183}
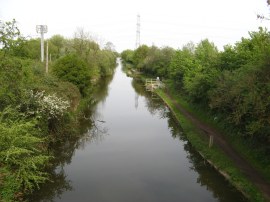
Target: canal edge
{"x":252,"y":193}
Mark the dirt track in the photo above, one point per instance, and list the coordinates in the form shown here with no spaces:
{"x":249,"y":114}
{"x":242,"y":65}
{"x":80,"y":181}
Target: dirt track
{"x":219,"y":140}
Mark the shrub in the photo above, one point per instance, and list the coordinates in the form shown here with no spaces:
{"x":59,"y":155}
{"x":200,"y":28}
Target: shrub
{"x":73,"y":69}
{"x":21,"y":156}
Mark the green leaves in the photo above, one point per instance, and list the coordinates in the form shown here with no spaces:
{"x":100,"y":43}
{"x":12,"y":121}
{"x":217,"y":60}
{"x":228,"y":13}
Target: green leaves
{"x":10,"y":71}
{"x":194,"y":69}
{"x":234,"y":83}
{"x":10,"y":36}
{"x":150,"y":60}
{"x":21,"y":153}
{"x":73,"y":69}
{"x":243,"y":95}
{"x":36,"y":109}
{"x":182,"y":62}
{"x":127,"y":56}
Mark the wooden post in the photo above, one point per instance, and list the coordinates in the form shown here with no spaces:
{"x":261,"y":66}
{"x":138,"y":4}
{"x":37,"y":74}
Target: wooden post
{"x":211,"y":141}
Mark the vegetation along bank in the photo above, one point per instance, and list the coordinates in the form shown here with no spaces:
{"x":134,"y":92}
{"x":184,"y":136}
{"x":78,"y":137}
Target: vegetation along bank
{"x":228,"y":90}
{"x":39,"y":109}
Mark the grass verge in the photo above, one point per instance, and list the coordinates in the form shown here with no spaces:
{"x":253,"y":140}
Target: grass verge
{"x":213,"y":155}
{"x":257,"y":158}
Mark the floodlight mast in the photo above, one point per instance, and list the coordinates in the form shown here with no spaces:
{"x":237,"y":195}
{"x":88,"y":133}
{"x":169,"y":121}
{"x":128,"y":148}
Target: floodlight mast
{"x":42,"y":29}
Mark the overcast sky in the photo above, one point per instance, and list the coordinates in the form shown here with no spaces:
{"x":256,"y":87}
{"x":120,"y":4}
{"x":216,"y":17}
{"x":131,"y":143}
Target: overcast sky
{"x":163,"y":22}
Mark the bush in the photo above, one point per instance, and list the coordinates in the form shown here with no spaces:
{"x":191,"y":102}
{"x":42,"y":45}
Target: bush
{"x":10,"y":71}
{"x":21,"y":156}
{"x":73,"y":69}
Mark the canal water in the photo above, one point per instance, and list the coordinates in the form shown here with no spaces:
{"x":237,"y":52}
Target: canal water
{"x":135,"y":152}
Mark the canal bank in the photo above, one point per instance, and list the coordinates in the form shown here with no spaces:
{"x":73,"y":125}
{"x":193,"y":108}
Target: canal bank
{"x":135,"y":152}
{"x":221,"y":155}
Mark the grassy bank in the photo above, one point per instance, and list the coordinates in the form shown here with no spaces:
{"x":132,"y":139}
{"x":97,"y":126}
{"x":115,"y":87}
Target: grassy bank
{"x":256,"y":157}
{"x":213,"y":155}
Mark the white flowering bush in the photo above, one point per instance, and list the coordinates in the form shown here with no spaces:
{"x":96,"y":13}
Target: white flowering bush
{"x":51,"y":105}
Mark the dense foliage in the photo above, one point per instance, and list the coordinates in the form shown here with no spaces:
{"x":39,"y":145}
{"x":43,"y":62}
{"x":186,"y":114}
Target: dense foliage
{"x":233,"y":84}
{"x":39,"y":109}
{"x":150,"y":60}
{"x":72,"y":68}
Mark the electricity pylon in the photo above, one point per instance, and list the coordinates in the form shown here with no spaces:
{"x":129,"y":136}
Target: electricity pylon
{"x":138,"y":43}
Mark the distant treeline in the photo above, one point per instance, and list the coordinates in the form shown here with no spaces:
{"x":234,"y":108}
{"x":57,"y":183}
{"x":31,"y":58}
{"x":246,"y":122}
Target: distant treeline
{"x":234,"y":84}
{"x":38,"y":109}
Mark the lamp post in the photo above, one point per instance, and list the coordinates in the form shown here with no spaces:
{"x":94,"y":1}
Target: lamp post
{"x":42,"y":29}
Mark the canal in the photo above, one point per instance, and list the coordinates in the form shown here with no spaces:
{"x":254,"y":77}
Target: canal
{"x":135,"y":152}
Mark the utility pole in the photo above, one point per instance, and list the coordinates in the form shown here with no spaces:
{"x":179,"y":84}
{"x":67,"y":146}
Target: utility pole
{"x":42,"y":29}
{"x":47,"y":58}
{"x":138,"y":43}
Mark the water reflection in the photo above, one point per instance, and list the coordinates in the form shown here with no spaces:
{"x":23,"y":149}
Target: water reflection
{"x":153,"y":103}
{"x":207,"y":176}
{"x":91,"y":129}
{"x":109,"y":168}
{"x":90,"y":116}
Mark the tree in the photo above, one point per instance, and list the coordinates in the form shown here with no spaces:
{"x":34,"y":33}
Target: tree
{"x":56,"y":44}
{"x":28,"y":49}
{"x":127,"y":56}
{"x":200,"y":78}
{"x":83,"y":44}
{"x":10,"y":81}
{"x":109,"y":46}
{"x":72,"y":68}
{"x":229,"y":59}
{"x":157,"y":61}
{"x":206,"y":53}
{"x":242,"y":93}
{"x":182,"y":62}
{"x":9,"y":36}
{"x":139,"y":55}
{"x":106,"y":62}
